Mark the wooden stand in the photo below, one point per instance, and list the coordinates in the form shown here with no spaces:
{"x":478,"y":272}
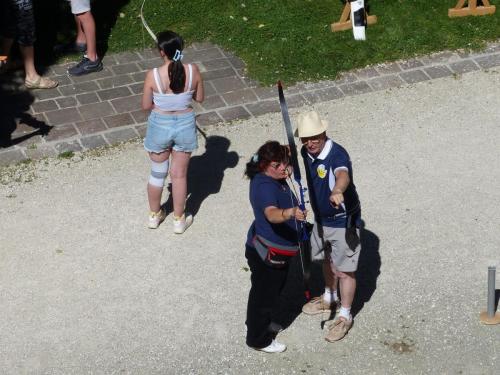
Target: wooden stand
{"x":345,"y":19}
{"x":471,"y":9}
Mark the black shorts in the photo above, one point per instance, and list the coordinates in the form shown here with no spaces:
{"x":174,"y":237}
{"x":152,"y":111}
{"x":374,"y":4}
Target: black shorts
{"x":18,"y":21}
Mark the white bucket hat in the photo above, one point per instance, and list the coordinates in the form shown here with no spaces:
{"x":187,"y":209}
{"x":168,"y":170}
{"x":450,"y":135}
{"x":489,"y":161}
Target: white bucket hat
{"x":310,"y":124}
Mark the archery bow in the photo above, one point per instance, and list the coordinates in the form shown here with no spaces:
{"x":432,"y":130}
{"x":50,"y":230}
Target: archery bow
{"x":145,"y":24}
{"x":304,"y":242}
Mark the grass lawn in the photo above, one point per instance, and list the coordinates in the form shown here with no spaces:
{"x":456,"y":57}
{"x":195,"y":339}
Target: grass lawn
{"x":291,"y":39}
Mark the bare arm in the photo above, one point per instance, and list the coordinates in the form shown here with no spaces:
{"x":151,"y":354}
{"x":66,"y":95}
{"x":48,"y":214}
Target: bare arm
{"x":342,"y":181}
{"x":199,"y":92}
{"x":277,"y":215}
{"x":147,"y":93}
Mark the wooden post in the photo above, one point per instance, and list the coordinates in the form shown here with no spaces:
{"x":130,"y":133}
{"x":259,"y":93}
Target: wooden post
{"x":345,"y":21}
{"x":471,"y":9}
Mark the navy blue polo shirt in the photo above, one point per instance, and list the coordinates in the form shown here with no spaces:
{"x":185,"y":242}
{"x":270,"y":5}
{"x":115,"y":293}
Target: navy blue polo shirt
{"x":266,"y":191}
{"x":322,"y":169}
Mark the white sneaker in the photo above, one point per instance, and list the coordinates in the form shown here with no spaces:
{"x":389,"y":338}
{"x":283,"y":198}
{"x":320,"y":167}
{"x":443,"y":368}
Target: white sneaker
{"x":155,"y":218}
{"x":182,"y":223}
{"x":274,"y":347}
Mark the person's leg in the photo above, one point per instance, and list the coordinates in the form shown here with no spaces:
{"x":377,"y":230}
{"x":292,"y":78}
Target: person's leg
{"x":28,"y":53}
{"x":87,"y":26}
{"x":347,"y":289}
{"x":267,"y":284}
{"x":178,"y":176}
{"x":154,"y":190}
{"x":80,"y":35}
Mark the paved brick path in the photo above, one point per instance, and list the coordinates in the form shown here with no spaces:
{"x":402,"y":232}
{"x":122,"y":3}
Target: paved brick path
{"x":104,"y":108}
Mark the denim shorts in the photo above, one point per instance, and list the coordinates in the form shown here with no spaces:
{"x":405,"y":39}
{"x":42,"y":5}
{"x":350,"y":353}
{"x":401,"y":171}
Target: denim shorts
{"x":177,"y":131}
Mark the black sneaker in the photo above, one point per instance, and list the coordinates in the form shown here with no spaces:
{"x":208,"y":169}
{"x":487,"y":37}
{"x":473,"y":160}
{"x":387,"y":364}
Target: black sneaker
{"x":85,"y":66}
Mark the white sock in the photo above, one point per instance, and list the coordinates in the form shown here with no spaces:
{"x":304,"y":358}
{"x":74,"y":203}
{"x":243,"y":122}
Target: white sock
{"x":328,"y":296}
{"x":345,"y":312}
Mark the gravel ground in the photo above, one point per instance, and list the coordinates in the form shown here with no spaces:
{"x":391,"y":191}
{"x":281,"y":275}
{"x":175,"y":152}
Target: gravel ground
{"x":86,"y":288}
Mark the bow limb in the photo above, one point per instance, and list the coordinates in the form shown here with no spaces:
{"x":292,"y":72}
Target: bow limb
{"x":145,"y":24}
{"x":304,"y":241}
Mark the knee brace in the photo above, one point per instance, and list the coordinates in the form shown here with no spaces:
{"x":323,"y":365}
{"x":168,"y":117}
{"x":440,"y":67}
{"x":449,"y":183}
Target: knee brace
{"x":159,"y":172}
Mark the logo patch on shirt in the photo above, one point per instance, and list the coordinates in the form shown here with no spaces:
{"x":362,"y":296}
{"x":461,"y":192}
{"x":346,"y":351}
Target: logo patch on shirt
{"x":321,"y":170}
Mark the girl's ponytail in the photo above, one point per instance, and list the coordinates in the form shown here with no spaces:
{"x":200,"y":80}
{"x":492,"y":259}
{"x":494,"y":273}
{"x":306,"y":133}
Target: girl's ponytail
{"x":172,"y":45}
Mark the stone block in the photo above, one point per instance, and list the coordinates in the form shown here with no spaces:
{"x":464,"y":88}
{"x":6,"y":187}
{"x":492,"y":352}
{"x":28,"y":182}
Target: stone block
{"x":219,"y":73}
{"x":79,"y":88}
{"x":388,"y":68}
{"x":66,"y":102}
{"x":151,"y":64}
{"x":127,"y":104}
{"x":116,"y":92}
{"x":208,"y":118}
{"x":89,"y":98}
{"x":217,"y":64}
{"x":385,"y":82}
{"x":141,"y":129}
{"x":43,"y":94}
{"x":414,"y":76}
{"x":367,"y":73}
{"x":213,"y":102}
{"x":116,"y":81}
{"x":438,"y":71}
{"x":90,"y":126}
{"x":11,"y":156}
{"x":60,"y":132}
{"x":410,"y":64}
{"x":127,"y":57}
{"x":355,"y":88}
{"x":40,"y":151}
{"x":140,"y":116}
{"x":44,"y":106}
{"x":323,"y":95}
{"x":234,"y":113}
{"x":240,"y":97}
{"x":487,"y":62}
{"x":121,"y":135}
{"x":63,"y":116}
{"x":106,"y":72}
{"x":464,"y":66}
{"x":73,"y":146}
{"x":96,"y":110}
{"x":136,"y":88}
{"x":93,"y":141}
{"x":125,"y":68}
{"x":261,"y":108}
{"x":122,"y":119}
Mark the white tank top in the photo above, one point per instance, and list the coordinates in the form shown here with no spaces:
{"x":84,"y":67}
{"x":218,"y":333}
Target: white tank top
{"x":170,"y":101}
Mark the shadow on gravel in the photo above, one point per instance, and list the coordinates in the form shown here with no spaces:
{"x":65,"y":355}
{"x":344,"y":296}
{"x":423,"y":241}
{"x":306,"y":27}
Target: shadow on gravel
{"x":292,"y":298}
{"x":16,"y":124}
{"x":368,"y":269}
{"x":206,"y":173}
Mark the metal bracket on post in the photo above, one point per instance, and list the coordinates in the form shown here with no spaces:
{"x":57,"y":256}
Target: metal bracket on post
{"x":490,"y":316}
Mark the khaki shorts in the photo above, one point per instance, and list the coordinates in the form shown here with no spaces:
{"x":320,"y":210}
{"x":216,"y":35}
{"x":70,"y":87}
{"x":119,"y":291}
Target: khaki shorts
{"x":344,"y":244}
{"x":79,"y":6}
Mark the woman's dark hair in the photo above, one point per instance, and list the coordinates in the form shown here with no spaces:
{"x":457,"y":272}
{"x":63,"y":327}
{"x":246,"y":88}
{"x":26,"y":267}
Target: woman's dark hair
{"x":267,"y":153}
{"x":170,"y":42}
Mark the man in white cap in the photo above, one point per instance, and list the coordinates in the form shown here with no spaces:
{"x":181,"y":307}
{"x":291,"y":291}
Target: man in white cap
{"x":336,"y":206}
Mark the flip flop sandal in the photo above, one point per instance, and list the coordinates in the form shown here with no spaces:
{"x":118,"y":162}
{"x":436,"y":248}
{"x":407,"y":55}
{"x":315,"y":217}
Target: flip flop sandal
{"x":41,"y":83}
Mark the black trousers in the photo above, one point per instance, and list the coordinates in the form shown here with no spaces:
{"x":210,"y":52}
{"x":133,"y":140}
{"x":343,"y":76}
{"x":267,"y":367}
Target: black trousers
{"x":267,"y":284}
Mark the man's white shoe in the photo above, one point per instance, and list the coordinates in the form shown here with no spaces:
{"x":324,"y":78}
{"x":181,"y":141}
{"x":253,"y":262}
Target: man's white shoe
{"x":182,"y":223}
{"x":274,"y":347}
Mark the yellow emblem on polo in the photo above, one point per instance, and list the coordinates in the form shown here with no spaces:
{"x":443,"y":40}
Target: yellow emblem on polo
{"x":321,"y":170}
